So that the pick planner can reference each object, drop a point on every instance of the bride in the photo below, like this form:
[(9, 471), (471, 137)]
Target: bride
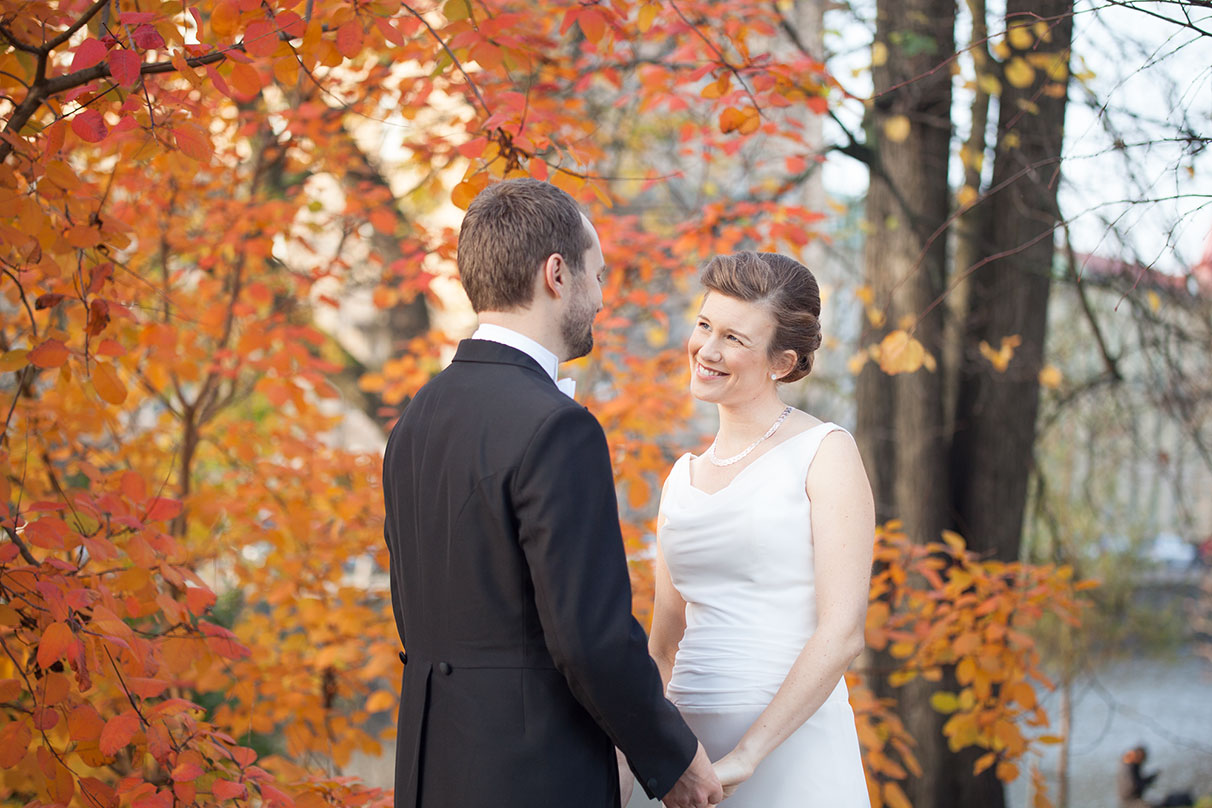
[(764, 552)]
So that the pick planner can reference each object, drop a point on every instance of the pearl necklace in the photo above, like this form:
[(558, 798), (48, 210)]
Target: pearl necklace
[(728, 461)]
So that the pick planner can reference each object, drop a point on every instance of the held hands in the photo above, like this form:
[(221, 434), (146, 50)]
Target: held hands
[(698, 786), (733, 769)]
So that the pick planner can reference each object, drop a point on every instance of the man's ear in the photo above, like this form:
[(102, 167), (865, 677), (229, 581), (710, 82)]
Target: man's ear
[(555, 277)]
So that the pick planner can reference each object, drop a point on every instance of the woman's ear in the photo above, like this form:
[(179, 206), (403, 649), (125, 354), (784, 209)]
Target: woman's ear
[(784, 363)]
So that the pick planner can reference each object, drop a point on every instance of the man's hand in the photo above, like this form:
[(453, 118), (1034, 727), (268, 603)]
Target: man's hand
[(698, 786)]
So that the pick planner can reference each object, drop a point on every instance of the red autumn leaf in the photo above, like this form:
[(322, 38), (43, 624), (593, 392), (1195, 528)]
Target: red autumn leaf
[(118, 732), (260, 38), (135, 17), (147, 38), (593, 24), (185, 772), (223, 642), (14, 742), (147, 688), (162, 509), (98, 793), (45, 718), (98, 317), (124, 66), (54, 644), (84, 723), (246, 79), (198, 600), (227, 790), (349, 39), (48, 300), (50, 354), (90, 125), (49, 532), (90, 52), (291, 24), (389, 31), (273, 796), (193, 142)]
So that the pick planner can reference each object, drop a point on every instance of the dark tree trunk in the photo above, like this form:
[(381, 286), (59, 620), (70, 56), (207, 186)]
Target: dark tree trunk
[(900, 418), (992, 450)]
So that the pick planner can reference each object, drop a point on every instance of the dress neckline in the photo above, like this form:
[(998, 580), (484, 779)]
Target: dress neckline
[(751, 463)]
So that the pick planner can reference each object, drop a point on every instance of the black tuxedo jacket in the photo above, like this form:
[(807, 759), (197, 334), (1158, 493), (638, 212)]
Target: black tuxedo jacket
[(524, 666)]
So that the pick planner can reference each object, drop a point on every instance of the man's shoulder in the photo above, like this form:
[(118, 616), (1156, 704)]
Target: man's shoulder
[(497, 393)]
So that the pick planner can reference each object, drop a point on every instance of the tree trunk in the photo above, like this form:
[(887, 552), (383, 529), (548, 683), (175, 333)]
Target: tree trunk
[(992, 450), (900, 418)]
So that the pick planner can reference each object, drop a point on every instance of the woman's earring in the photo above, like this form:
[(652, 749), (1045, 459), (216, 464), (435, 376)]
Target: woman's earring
[(774, 377)]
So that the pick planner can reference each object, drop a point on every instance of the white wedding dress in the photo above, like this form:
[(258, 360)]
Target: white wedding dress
[(742, 559)]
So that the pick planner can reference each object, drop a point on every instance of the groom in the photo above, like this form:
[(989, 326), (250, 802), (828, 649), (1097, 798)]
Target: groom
[(524, 667)]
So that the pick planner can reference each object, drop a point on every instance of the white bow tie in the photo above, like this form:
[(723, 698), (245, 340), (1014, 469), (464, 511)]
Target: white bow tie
[(567, 386)]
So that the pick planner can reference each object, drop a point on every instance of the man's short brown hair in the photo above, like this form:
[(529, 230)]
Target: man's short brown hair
[(510, 230)]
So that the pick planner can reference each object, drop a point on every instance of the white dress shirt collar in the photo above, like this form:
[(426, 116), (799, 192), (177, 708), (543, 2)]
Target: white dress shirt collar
[(507, 336)]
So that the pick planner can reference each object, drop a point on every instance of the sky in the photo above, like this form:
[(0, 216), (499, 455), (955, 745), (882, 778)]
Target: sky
[(1141, 77)]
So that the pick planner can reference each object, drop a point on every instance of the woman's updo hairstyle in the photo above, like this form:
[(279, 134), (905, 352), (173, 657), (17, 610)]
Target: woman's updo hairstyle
[(788, 291)]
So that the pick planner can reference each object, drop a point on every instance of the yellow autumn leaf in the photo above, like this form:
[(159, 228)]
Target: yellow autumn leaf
[(455, 10), (13, 360), (944, 702), (1020, 37), (989, 84), (1007, 772), (894, 796), (1000, 358), (897, 128), (879, 54), (899, 352), (107, 384), (1050, 377), (647, 15), (379, 701), (865, 294), (984, 762), (972, 158), (966, 196), (1019, 73), (856, 363), (1154, 300)]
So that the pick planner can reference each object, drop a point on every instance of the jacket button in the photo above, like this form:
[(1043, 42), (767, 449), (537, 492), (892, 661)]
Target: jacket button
[(404, 657), (445, 668), (652, 784)]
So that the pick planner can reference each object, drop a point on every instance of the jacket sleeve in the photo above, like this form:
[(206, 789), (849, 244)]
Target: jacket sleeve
[(568, 527)]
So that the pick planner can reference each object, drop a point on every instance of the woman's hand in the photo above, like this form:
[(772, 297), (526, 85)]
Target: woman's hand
[(733, 769)]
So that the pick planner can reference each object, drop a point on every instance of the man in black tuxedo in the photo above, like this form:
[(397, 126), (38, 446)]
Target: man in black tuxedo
[(524, 668)]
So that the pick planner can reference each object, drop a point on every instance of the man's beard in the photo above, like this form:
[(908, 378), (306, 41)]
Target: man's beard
[(576, 329)]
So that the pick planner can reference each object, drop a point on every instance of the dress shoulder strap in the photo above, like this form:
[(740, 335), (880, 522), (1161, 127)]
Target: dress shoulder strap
[(812, 440)]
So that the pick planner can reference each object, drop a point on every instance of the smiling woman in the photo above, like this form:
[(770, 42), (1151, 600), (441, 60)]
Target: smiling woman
[(764, 557)]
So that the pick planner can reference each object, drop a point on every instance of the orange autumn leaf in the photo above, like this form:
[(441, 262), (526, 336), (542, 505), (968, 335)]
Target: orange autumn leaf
[(57, 640), (50, 354), (107, 384), (118, 732)]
